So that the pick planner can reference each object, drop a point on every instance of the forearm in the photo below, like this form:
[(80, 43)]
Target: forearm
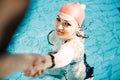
[(62, 58), (12, 63)]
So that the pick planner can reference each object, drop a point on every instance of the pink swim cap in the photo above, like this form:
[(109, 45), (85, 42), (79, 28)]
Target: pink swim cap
[(75, 10)]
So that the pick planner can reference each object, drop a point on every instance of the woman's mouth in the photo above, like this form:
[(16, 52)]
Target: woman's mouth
[(59, 32)]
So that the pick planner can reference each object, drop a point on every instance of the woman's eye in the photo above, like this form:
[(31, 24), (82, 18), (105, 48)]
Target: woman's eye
[(58, 19), (67, 24)]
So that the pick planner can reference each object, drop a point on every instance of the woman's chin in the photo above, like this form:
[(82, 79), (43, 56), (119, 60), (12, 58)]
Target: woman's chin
[(60, 35)]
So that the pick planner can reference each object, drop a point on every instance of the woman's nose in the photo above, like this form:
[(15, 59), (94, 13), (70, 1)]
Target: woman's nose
[(60, 26)]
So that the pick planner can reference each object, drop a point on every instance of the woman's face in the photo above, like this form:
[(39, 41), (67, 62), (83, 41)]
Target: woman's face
[(65, 26)]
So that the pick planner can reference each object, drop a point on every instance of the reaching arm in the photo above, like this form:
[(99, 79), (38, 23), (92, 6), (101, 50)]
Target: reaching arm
[(20, 62), (63, 57), (11, 63)]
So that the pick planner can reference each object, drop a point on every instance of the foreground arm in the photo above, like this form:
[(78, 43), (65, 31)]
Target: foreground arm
[(11, 63), (11, 14), (18, 62)]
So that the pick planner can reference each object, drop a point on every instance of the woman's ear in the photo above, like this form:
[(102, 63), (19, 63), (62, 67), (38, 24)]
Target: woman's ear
[(83, 6)]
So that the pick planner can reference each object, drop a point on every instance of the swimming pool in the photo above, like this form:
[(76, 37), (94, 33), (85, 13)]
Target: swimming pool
[(103, 27)]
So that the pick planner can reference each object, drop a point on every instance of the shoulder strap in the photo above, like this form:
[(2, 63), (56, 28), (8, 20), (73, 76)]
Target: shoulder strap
[(48, 37)]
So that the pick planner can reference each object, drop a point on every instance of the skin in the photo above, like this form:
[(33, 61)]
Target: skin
[(66, 26), (12, 63)]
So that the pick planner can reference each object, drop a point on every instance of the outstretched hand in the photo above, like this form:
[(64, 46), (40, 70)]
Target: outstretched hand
[(38, 67)]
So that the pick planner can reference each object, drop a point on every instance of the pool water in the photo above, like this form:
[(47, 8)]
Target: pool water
[(102, 24)]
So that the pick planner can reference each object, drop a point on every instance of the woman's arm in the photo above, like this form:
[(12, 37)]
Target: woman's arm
[(63, 57)]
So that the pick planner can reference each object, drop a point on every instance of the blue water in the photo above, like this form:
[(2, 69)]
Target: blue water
[(103, 27)]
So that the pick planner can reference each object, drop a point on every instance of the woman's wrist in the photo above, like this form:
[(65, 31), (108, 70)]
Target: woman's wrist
[(48, 61), (53, 61)]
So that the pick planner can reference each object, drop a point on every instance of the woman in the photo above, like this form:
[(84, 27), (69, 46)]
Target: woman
[(68, 42), (68, 45)]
